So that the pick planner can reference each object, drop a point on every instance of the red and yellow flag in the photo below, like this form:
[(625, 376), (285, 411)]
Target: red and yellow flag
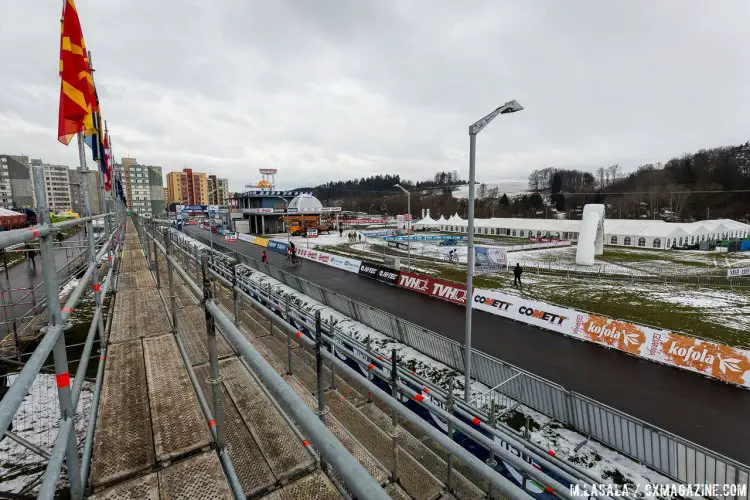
[(77, 100)]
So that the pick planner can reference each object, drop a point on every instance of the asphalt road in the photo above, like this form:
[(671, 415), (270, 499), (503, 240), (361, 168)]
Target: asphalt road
[(705, 411), (22, 281)]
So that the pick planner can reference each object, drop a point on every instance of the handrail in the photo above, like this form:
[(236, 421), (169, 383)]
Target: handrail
[(464, 455), (15, 236), (570, 397)]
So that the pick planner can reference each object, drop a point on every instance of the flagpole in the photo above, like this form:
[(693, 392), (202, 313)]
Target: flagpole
[(99, 152)]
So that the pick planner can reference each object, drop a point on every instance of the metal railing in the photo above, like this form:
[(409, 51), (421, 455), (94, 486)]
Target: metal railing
[(191, 274), (658, 449), (63, 451)]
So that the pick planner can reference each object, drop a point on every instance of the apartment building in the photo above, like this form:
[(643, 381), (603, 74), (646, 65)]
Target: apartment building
[(77, 179), (218, 191), (144, 187), (16, 188), (187, 187), (57, 187)]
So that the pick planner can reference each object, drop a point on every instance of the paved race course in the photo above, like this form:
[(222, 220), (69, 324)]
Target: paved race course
[(705, 411)]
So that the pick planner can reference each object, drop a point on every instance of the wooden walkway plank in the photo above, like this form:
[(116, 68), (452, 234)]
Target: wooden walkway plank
[(144, 487), (123, 443), (281, 447), (177, 421), (195, 478), (191, 327), (254, 473), (138, 314)]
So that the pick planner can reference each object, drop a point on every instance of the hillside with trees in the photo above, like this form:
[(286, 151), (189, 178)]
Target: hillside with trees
[(711, 183)]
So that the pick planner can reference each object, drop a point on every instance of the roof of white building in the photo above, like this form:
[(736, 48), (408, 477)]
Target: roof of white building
[(624, 227)]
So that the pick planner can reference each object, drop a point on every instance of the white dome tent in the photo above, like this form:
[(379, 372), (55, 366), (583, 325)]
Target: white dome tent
[(427, 223), (306, 203)]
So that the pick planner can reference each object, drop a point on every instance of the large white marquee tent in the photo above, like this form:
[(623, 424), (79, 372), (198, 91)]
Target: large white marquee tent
[(620, 232)]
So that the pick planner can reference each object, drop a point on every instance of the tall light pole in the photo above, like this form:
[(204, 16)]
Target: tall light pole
[(474, 129), (408, 227)]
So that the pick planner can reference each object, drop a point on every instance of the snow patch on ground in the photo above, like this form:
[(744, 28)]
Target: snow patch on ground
[(598, 460), (37, 421)]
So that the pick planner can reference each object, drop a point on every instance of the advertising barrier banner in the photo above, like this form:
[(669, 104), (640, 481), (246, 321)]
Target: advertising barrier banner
[(329, 259), (740, 271), (312, 233), (423, 237), (527, 311), (434, 287), (247, 237), (263, 242), (388, 275), (398, 244), (489, 260), (708, 358), (368, 269), (279, 246), (230, 237), (362, 221)]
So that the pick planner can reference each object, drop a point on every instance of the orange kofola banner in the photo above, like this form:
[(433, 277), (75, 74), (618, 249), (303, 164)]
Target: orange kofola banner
[(708, 358), (712, 359)]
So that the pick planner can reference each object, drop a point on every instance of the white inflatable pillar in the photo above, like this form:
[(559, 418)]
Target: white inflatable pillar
[(591, 237)]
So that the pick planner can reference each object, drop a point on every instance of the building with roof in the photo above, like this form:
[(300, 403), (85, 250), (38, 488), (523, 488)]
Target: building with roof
[(263, 209), (619, 232)]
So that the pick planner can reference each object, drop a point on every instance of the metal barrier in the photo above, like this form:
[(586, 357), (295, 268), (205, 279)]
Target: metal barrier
[(513, 491), (64, 447), (664, 452)]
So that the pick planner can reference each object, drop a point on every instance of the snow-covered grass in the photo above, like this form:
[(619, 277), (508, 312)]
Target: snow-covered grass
[(37, 421), (320, 240), (598, 460), (510, 187)]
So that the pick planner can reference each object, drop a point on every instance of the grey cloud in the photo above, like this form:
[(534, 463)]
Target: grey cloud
[(334, 89)]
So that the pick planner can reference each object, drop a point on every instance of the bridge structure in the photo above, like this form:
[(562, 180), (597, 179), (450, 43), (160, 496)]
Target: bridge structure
[(209, 385)]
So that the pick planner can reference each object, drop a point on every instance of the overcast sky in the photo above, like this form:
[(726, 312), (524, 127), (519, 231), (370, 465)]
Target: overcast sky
[(335, 89)]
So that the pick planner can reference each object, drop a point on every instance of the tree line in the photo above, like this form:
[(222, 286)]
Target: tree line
[(706, 184)]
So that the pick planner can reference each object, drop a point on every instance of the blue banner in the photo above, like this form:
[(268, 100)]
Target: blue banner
[(425, 237), (279, 246)]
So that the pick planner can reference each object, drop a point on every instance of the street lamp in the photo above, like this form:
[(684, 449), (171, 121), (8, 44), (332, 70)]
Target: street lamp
[(474, 129), (408, 222)]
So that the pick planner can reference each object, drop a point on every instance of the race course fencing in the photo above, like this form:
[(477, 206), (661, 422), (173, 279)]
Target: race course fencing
[(660, 450)]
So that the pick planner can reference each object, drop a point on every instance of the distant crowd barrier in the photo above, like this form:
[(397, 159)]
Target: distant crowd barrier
[(711, 359)]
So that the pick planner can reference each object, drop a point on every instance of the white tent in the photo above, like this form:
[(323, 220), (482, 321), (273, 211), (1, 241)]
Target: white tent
[(426, 223)]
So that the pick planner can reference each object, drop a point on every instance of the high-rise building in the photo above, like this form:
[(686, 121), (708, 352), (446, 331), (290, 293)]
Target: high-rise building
[(218, 190), (76, 190), (177, 188), (144, 187), (187, 187), (16, 188), (57, 186)]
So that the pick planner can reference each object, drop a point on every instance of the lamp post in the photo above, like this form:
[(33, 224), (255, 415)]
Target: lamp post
[(474, 129), (408, 226)]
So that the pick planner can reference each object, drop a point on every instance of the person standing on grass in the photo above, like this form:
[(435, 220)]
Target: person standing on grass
[(517, 271)]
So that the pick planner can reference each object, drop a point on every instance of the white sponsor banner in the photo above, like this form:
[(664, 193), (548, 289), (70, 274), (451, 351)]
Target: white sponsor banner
[(489, 260), (711, 359), (246, 237), (351, 265), (559, 319), (740, 271), (231, 237)]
